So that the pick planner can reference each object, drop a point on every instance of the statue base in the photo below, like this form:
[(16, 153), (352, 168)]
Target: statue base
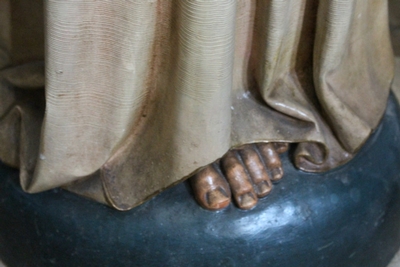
[(349, 216)]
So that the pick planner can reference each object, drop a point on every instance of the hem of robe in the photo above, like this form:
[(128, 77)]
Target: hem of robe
[(99, 186), (105, 177)]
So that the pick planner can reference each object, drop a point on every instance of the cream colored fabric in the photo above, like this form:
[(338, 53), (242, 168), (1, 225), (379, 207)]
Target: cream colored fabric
[(141, 93)]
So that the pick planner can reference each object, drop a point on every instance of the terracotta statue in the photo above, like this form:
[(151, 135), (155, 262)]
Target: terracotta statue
[(142, 94)]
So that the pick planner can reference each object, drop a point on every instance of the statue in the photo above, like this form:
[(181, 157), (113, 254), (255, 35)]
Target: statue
[(143, 94), (117, 101)]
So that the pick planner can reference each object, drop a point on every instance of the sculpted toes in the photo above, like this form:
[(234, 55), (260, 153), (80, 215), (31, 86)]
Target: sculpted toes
[(259, 175), (247, 173), (210, 189), (272, 160), (242, 188)]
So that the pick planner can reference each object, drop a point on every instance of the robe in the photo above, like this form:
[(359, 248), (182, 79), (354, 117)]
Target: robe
[(139, 94)]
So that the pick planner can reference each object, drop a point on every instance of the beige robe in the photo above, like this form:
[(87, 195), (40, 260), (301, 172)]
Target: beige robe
[(141, 93)]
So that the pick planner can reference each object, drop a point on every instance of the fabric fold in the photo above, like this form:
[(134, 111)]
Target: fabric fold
[(353, 66)]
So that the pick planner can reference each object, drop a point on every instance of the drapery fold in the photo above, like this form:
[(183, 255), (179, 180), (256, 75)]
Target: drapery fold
[(140, 94)]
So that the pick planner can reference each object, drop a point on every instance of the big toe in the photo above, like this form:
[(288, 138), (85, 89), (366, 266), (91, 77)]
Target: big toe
[(210, 188)]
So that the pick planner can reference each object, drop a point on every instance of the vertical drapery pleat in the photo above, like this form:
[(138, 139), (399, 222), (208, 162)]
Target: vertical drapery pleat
[(190, 120), (353, 66), (97, 65), (5, 32)]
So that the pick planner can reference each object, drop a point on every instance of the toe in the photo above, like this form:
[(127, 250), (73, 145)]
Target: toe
[(241, 186), (272, 160), (281, 147), (256, 169), (211, 189)]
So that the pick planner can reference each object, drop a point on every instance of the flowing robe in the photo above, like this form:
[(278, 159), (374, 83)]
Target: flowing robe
[(141, 93)]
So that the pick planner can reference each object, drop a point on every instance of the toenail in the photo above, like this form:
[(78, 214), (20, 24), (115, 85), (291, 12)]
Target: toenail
[(247, 201), (263, 188), (277, 173), (217, 199)]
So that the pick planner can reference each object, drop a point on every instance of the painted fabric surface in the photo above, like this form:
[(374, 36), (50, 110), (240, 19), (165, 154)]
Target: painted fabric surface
[(140, 94)]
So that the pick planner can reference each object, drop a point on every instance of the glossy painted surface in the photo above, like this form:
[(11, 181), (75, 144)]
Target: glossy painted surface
[(349, 216)]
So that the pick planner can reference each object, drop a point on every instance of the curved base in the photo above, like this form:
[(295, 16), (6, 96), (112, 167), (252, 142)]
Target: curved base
[(346, 217)]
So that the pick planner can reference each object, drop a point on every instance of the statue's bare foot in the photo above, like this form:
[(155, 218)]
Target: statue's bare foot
[(246, 173)]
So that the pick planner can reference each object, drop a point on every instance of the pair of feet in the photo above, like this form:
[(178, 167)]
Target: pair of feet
[(244, 174)]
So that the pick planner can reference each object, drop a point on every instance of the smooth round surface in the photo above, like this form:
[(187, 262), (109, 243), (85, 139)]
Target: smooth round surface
[(349, 216)]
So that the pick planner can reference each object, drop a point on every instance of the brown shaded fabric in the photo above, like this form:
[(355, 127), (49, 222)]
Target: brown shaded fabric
[(140, 94)]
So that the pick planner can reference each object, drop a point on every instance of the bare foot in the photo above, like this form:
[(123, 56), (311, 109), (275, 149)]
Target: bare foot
[(245, 173)]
